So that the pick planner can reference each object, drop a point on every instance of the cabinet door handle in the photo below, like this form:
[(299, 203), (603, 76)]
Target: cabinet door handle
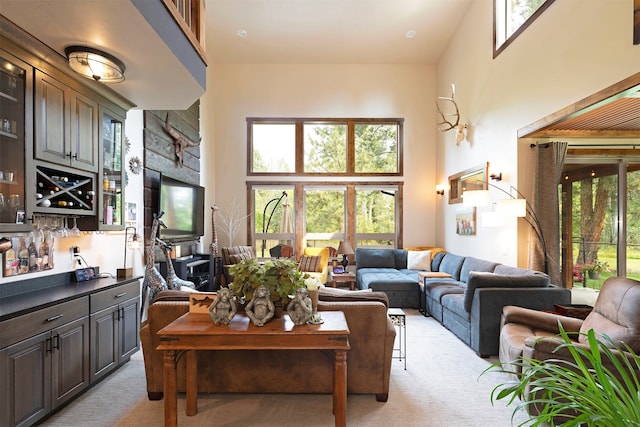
[(56, 341), (51, 319), (69, 154), (120, 295), (75, 156)]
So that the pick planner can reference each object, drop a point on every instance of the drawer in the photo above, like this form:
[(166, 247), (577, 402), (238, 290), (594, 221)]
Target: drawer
[(25, 326), (113, 296)]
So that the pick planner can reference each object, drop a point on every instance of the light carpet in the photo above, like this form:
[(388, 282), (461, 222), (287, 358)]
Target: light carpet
[(441, 386)]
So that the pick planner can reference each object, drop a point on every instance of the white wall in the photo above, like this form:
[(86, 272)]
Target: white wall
[(575, 48), (377, 91)]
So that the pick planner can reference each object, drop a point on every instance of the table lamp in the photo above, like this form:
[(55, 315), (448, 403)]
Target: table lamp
[(134, 243), (345, 249)]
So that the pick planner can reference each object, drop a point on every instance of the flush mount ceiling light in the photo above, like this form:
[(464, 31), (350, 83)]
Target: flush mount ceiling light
[(95, 64)]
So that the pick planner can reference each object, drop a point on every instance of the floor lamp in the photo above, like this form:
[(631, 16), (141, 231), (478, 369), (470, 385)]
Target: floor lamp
[(512, 207), (277, 201)]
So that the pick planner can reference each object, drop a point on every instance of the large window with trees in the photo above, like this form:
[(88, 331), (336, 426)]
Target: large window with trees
[(331, 188), (600, 208), (328, 147)]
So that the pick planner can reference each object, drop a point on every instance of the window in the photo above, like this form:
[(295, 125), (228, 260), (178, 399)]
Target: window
[(600, 210), (511, 17), (366, 213), (327, 147)]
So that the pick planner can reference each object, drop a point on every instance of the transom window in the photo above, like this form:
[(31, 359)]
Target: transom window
[(511, 17), (325, 147)]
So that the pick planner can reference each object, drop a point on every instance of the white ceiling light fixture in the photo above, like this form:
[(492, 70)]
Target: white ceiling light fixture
[(241, 33), (410, 34), (95, 64)]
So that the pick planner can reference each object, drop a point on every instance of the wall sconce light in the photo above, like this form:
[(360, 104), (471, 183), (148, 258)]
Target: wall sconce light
[(496, 177), (440, 190), (95, 64), (134, 243)]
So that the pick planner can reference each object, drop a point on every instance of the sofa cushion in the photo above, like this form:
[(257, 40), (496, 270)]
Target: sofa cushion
[(419, 260), (451, 264), (514, 271), (474, 264), (437, 259), (372, 258), (479, 279), (343, 295)]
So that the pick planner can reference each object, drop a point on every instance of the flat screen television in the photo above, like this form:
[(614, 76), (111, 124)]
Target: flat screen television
[(183, 207)]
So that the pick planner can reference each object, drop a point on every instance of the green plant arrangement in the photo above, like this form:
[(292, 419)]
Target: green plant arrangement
[(596, 267), (584, 391), (281, 277)]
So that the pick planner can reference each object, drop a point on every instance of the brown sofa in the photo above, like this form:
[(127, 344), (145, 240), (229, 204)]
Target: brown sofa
[(368, 361)]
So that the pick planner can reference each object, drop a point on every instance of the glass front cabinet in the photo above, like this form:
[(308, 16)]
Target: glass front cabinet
[(111, 212), (16, 143)]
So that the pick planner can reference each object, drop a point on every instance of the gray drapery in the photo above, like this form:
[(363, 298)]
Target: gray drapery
[(550, 160)]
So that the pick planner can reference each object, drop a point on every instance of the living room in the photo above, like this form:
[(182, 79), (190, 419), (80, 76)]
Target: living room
[(557, 61)]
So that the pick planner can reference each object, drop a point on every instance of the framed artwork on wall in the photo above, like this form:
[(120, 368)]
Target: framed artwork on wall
[(466, 221)]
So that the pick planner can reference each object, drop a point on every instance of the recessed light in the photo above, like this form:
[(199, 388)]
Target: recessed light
[(242, 33), (410, 34)]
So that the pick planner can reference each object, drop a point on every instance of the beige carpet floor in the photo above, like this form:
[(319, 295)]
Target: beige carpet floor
[(441, 386)]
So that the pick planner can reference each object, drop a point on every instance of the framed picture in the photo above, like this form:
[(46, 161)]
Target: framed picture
[(132, 212), (20, 217), (466, 221)]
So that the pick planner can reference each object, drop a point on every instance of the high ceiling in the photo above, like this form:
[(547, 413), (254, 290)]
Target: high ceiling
[(331, 31)]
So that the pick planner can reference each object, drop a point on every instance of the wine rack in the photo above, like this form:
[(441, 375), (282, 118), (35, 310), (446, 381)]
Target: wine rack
[(64, 191)]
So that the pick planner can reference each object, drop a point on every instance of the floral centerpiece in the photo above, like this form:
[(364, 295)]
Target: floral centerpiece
[(281, 277)]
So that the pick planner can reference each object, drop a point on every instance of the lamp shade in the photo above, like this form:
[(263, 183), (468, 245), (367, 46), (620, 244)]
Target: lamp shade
[(345, 248), (512, 207), (472, 198), (95, 64)]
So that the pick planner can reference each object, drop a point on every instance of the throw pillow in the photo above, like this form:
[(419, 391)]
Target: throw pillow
[(310, 263), (419, 260), (234, 259)]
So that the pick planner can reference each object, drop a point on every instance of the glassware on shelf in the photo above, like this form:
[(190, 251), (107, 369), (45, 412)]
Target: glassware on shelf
[(75, 231)]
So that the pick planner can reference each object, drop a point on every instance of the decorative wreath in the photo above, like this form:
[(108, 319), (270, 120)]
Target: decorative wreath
[(135, 165)]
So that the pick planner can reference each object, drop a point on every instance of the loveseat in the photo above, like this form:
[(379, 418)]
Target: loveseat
[(468, 301), (369, 359)]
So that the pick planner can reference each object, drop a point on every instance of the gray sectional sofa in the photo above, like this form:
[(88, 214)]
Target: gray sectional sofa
[(469, 302)]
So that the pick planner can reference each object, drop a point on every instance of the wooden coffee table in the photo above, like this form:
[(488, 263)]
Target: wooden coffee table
[(194, 331)]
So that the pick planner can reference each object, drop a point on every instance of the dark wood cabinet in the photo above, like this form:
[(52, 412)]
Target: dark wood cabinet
[(45, 370), (66, 130), (50, 355), (115, 328)]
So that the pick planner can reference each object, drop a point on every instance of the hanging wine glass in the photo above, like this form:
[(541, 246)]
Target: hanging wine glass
[(75, 231)]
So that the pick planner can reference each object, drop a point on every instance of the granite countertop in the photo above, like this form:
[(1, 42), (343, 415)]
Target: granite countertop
[(31, 300)]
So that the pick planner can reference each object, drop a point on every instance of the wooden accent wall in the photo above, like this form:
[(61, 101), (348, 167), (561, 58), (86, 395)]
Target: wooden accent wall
[(160, 155)]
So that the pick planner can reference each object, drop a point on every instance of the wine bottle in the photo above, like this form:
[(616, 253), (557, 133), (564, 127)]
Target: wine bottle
[(44, 254), (33, 255), (23, 257)]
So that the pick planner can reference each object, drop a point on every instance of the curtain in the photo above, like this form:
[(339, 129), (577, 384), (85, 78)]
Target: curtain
[(545, 254)]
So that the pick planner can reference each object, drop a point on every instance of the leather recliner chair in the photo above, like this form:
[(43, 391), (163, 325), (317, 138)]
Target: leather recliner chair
[(532, 334)]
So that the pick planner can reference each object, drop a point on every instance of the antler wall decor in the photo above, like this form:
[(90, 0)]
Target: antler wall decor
[(451, 121), (180, 141)]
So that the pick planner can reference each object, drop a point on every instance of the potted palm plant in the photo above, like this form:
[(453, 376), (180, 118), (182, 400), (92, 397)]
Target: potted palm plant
[(584, 391)]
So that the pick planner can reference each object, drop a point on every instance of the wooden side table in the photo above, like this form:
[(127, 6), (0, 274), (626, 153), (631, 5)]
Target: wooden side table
[(343, 279)]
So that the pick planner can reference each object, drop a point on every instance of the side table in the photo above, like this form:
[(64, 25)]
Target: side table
[(399, 319), (343, 279)]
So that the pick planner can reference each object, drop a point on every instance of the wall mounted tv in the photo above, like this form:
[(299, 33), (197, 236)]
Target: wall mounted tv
[(183, 207)]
